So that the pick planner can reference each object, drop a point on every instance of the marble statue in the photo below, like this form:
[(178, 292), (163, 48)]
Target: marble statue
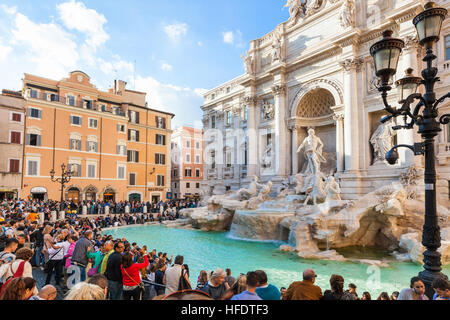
[(317, 190), (382, 141), (245, 194), (312, 6), (277, 46), (297, 9), (313, 149), (267, 158), (347, 14), (333, 189), (284, 186), (248, 63)]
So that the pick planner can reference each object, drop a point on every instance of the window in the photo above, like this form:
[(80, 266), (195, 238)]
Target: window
[(121, 128), (197, 145), (213, 159), (133, 156), (76, 169), (228, 159), (188, 158), (34, 113), (188, 185), (92, 146), (92, 170), (197, 185), (34, 93), (75, 120), (16, 117), (160, 181), (188, 144), (175, 173), (448, 133), (133, 135), (32, 167), (75, 144), (33, 140), (197, 173), (15, 137), (87, 104), (245, 115), (228, 90), (197, 158), (161, 139), (102, 107), (213, 122), (160, 158), (161, 122), (70, 100), (133, 116), (228, 118), (14, 166), (122, 150), (447, 47), (132, 181), (121, 172), (93, 123), (188, 173)]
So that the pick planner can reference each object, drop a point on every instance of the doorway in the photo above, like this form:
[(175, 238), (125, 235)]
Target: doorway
[(73, 194), (134, 197), (156, 199)]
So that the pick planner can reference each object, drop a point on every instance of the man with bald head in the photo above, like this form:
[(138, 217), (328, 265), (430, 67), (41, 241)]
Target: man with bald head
[(304, 290), (46, 293)]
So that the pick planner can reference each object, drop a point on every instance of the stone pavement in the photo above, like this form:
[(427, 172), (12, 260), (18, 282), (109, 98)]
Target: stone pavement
[(40, 277)]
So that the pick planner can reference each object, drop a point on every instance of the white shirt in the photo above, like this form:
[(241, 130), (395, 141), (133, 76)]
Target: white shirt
[(56, 254)]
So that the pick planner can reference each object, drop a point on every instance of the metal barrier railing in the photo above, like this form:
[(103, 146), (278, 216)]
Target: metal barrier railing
[(153, 283)]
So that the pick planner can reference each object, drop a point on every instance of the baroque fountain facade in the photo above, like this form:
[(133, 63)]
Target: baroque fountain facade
[(294, 150)]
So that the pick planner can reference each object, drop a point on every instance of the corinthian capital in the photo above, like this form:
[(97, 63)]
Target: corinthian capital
[(251, 100), (411, 42), (352, 64), (278, 90), (338, 117)]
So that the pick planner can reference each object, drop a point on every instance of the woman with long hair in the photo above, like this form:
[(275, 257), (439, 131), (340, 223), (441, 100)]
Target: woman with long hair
[(337, 288), (19, 289), (239, 286), (202, 280), (131, 278)]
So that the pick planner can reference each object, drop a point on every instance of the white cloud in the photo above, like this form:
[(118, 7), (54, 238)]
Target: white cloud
[(48, 47), (76, 16), (184, 102), (200, 92), (200, 44), (176, 31), (166, 67), (116, 65), (9, 10), (228, 37)]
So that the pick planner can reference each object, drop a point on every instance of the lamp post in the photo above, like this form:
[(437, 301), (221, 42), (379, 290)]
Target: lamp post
[(425, 115), (65, 178)]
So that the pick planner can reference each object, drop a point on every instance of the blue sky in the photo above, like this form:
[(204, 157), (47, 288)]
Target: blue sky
[(174, 50)]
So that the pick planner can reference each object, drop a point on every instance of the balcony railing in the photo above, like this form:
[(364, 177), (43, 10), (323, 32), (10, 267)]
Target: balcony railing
[(84, 104)]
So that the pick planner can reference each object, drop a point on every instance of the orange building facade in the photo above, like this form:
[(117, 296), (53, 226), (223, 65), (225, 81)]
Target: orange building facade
[(71, 122)]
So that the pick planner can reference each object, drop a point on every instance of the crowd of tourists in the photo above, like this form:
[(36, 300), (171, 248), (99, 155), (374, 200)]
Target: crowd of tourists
[(81, 263)]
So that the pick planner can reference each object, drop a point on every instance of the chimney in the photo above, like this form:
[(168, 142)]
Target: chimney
[(119, 87)]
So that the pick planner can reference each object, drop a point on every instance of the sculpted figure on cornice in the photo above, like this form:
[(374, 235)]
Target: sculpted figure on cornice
[(249, 63), (347, 14), (297, 9), (313, 6), (278, 45)]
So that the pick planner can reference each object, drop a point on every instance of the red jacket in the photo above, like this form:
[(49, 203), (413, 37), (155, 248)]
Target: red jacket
[(133, 272)]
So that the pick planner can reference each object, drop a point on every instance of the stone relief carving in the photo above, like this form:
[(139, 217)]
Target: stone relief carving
[(347, 14), (267, 156), (268, 110), (313, 6), (372, 80), (382, 141)]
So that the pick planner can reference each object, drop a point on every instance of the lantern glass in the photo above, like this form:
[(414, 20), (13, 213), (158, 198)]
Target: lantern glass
[(429, 23), (405, 90), (387, 59)]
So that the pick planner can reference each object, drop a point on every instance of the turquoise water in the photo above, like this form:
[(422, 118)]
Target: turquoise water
[(209, 250)]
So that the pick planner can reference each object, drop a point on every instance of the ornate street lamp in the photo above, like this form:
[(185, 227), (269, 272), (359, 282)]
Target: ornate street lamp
[(65, 178), (424, 115)]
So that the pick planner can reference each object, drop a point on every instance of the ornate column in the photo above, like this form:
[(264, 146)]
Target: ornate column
[(279, 92), (351, 113), (237, 142), (252, 136), (340, 152), (220, 164), (294, 132)]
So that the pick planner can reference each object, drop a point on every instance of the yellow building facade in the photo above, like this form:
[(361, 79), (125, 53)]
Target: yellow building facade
[(71, 122)]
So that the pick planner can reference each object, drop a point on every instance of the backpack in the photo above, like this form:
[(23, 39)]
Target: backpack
[(17, 274)]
